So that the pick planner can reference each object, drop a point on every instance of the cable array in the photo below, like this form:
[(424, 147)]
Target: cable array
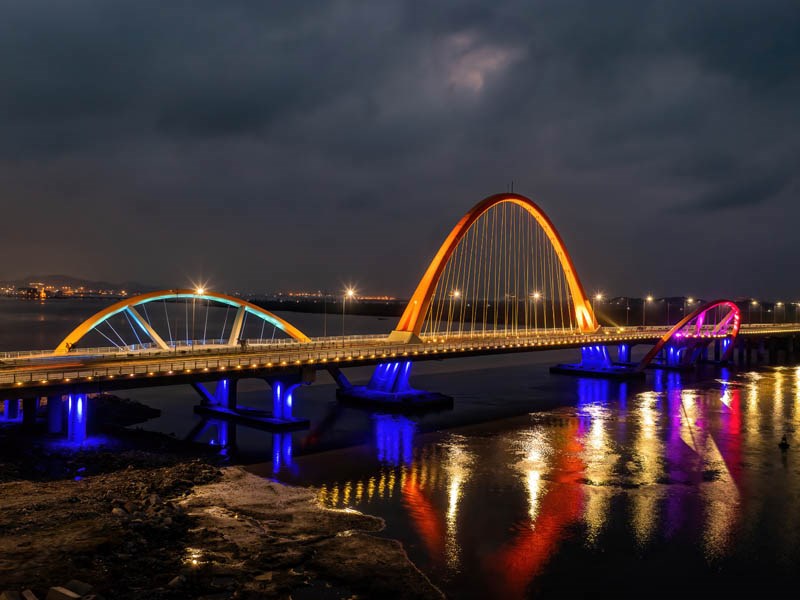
[(504, 276)]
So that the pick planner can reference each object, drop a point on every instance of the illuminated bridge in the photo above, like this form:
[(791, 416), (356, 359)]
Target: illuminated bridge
[(501, 282)]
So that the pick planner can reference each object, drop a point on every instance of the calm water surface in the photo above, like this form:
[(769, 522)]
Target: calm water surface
[(537, 485)]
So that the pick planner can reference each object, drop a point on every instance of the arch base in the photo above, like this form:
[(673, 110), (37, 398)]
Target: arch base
[(404, 337)]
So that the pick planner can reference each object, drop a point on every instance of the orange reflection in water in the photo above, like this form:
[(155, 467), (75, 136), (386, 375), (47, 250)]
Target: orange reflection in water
[(515, 565), (427, 521)]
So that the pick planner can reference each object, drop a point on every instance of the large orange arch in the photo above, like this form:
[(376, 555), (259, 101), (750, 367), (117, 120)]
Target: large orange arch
[(410, 324), (98, 318), (734, 315)]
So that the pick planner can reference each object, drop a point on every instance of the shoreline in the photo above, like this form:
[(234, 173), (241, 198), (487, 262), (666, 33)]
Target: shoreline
[(157, 524)]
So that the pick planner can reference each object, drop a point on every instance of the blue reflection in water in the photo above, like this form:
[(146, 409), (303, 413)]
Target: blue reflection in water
[(394, 438)]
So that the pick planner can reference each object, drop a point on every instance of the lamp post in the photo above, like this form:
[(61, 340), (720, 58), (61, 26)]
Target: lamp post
[(687, 301), (775, 311), (750, 310), (454, 295), (535, 296), (648, 299), (325, 314), (348, 293), (199, 291), (599, 297)]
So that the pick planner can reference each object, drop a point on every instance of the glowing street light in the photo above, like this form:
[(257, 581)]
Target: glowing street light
[(750, 310), (598, 296), (647, 300), (348, 293), (455, 294), (536, 296)]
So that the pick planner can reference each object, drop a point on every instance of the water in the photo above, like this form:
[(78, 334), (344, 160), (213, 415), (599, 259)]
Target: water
[(537, 485)]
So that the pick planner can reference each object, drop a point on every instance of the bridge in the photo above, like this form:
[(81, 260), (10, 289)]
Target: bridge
[(501, 282)]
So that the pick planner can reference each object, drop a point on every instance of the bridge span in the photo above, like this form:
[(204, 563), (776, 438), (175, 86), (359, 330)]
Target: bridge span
[(502, 282)]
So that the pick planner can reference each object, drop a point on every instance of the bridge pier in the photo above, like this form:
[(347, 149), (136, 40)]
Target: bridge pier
[(624, 353), (389, 388), (223, 402), (77, 418), (596, 362), (11, 410)]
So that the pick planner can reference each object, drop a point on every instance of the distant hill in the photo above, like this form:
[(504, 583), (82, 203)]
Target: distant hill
[(67, 280)]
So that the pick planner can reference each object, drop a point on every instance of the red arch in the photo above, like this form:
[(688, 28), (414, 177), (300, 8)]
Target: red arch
[(410, 324), (699, 314)]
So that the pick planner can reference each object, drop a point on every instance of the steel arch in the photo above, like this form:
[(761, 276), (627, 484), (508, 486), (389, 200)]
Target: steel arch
[(100, 317), (410, 324), (732, 319)]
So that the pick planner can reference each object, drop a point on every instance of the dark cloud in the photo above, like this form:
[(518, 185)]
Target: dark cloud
[(308, 144)]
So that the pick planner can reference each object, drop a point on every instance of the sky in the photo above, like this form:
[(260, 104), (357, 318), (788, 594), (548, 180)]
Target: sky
[(275, 145)]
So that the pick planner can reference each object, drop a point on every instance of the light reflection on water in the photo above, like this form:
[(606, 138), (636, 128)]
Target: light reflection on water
[(688, 472)]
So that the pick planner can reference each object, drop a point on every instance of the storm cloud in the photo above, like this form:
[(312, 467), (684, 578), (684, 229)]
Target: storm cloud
[(269, 145)]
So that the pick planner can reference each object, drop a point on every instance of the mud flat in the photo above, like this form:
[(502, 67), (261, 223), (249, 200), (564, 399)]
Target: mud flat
[(168, 526)]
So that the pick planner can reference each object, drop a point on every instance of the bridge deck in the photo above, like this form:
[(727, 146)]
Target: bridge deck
[(34, 374)]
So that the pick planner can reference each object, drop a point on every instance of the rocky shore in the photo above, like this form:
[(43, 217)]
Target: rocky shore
[(152, 523)]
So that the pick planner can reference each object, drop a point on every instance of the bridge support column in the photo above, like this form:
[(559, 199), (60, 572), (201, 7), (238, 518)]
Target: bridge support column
[(55, 414), (624, 353), (389, 387), (596, 362), (224, 393), (77, 418), (223, 403), (11, 409), (282, 398)]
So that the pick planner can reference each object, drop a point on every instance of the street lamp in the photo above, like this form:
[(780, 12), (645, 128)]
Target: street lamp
[(647, 300), (750, 310), (775, 311), (598, 296), (536, 296), (687, 301), (348, 293)]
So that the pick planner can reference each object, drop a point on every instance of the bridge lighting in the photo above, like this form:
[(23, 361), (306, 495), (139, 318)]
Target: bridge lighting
[(200, 291), (456, 293), (647, 299)]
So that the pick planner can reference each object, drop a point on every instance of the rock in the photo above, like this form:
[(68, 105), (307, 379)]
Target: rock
[(131, 507), (177, 581), (79, 587), (29, 595), (61, 593), (154, 499), (119, 512), (10, 595)]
